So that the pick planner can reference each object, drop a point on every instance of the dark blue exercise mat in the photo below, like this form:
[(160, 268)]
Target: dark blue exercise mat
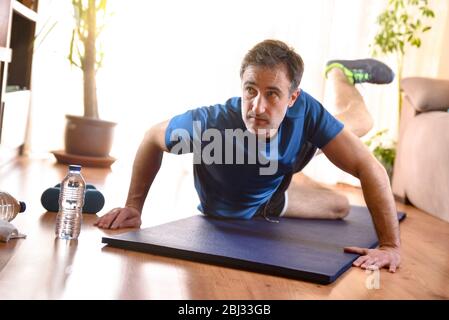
[(304, 249)]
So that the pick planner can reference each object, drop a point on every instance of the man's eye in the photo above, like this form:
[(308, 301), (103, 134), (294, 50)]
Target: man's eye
[(250, 90), (272, 94)]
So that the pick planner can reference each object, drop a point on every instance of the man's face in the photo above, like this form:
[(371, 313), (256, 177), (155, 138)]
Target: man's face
[(265, 98)]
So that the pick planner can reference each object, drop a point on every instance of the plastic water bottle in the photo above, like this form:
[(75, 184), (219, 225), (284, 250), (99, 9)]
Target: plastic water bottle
[(9, 206), (71, 201)]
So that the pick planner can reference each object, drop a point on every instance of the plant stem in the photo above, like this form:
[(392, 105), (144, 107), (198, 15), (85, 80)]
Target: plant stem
[(90, 85)]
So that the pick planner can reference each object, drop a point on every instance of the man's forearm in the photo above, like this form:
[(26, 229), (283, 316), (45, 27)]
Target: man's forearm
[(146, 165), (380, 201)]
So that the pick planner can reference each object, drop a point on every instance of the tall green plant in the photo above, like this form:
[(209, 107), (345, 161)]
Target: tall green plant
[(85, 48), (401, 24)]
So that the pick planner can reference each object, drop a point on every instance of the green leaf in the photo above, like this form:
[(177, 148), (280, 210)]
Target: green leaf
[(404, 18), (400, 24)]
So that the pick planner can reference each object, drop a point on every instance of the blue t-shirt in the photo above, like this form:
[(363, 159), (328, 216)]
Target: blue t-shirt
[(234, 184)]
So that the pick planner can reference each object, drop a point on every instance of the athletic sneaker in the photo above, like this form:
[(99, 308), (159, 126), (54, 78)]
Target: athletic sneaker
[(363, 70)]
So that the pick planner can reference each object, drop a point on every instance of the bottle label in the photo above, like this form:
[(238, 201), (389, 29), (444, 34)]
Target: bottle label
[(72, 198)]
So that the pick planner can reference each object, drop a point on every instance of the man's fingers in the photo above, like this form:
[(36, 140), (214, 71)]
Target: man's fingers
[(374, 259), (106, 220), (127, 214), (380, 264), (131, 223), (369, 262), (360, 261), (118, 220), (393, 267), (361, 251)]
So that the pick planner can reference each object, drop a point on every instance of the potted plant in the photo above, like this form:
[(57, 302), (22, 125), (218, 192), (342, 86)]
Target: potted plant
[(401, 25), (88, 135)]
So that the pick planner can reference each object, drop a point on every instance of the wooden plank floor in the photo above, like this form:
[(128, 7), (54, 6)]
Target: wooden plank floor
[(40, 267)]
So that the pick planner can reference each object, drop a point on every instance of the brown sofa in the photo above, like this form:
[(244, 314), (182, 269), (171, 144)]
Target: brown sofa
[(421, 169)]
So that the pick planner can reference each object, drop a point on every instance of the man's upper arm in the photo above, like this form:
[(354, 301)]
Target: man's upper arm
[(158, 135), (347, 152)]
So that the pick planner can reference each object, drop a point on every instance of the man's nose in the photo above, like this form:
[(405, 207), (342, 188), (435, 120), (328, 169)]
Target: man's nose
[(258, 105)]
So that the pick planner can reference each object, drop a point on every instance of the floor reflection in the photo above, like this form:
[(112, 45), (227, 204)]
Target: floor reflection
[(62, 261)]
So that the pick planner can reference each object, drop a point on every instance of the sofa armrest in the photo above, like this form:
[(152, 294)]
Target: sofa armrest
[(427, 94)]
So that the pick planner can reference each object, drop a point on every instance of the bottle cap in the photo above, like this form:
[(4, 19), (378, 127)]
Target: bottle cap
[(23, 206), (74, 167)]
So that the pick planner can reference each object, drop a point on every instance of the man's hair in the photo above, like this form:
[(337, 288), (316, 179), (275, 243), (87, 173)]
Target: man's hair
[(270, 53)]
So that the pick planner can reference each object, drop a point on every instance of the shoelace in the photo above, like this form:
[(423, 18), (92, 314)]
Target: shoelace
[(266, 217)]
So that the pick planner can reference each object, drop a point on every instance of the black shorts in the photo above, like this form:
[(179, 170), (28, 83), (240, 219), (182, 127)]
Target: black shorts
[(277, 204), (276, 207)]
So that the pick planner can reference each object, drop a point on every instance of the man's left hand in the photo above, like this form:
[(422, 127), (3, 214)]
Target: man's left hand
[(381, 257)]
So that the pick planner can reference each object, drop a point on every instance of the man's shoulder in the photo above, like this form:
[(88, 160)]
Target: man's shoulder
[(221, 115), (308, 98), (229, 109), (301, 106), (233, 104)]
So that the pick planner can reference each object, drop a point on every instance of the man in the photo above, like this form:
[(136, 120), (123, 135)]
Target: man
[(280, 126)]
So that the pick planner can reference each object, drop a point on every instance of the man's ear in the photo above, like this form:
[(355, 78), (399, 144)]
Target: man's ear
[(293, 97)]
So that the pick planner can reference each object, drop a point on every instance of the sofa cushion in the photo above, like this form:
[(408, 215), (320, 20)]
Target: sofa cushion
[(424, 162), (427, 94)]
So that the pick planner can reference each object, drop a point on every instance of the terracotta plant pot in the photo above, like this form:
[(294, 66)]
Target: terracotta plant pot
[(88, 136)]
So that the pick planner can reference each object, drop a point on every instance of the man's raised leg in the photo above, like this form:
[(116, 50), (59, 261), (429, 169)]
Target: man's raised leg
[(350, 106), (306, 197)]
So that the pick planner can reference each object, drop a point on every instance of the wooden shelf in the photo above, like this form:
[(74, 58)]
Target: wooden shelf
[(5, 54), (24, 11), (18, 19)]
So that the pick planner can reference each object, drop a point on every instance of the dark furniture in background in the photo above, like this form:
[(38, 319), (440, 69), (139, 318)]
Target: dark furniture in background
[(17, 30)]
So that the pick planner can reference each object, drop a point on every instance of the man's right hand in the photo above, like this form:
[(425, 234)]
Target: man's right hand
[(117, 218)]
